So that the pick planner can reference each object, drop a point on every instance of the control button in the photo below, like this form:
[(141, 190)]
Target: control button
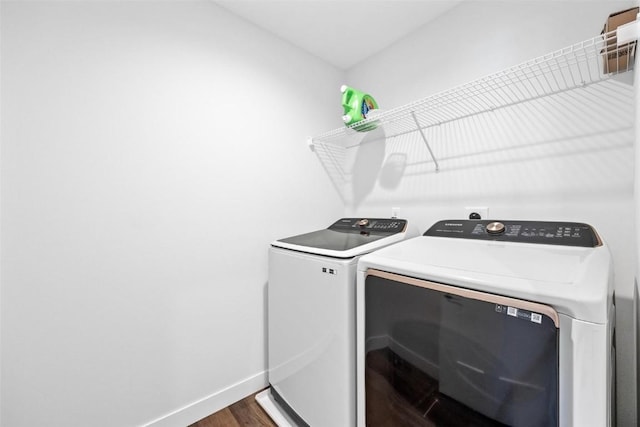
[(495, 228), (363, 222)]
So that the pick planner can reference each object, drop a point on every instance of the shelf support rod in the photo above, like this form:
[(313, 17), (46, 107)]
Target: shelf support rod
[(424, 138)]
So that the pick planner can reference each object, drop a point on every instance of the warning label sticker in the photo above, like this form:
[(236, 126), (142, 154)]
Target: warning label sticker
[(519, 313), (537, 318)]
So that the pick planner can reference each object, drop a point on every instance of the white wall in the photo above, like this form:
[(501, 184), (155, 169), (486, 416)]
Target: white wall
[(636, 237), (150, 152), (566, 158)]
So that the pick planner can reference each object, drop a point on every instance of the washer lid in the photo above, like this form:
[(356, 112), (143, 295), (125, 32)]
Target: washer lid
[(348, 237)]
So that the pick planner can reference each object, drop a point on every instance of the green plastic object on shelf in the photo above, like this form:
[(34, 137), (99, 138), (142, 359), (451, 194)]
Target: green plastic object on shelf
[(356, 106)]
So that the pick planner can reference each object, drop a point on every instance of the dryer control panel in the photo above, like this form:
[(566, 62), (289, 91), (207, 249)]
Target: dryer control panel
[(541, 232)]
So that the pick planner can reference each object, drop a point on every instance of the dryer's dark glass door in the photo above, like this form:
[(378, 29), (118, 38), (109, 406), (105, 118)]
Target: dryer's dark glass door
[(441, 358)]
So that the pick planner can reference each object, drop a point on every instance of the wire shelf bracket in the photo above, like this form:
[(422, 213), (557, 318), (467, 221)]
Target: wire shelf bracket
[(424, 138)]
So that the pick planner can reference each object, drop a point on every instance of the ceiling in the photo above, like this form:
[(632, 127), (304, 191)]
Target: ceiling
[(343, 33)]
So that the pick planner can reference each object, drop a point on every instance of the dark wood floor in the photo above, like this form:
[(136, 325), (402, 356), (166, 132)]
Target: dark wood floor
[(246, 412)]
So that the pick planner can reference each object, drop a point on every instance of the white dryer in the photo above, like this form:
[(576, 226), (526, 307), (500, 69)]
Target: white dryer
[(311, 321), (488, 323)]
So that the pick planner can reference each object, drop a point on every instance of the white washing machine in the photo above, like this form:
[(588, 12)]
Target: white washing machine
[(311, 321), (488, 323)]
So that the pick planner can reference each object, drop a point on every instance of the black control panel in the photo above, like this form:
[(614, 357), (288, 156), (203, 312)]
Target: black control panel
[(370, 225), (541, 232)]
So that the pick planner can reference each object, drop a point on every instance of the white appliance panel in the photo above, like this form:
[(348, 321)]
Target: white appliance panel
[(311, 346), (521, 270), (311, 320)]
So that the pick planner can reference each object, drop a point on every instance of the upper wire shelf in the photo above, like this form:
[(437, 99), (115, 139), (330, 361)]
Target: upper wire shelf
[(579, 65)]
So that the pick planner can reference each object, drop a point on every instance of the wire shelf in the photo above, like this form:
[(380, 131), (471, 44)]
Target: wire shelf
[(582, 64)]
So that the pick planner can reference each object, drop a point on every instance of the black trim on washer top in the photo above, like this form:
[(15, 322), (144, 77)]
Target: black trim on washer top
[(349, 233), (382, 226)]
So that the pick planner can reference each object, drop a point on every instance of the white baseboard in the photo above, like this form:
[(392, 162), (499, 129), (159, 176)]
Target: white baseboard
[(266, 401), (213, 403)]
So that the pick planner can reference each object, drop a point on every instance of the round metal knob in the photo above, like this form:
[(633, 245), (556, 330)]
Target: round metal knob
[(495, 228), (363, 222)]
